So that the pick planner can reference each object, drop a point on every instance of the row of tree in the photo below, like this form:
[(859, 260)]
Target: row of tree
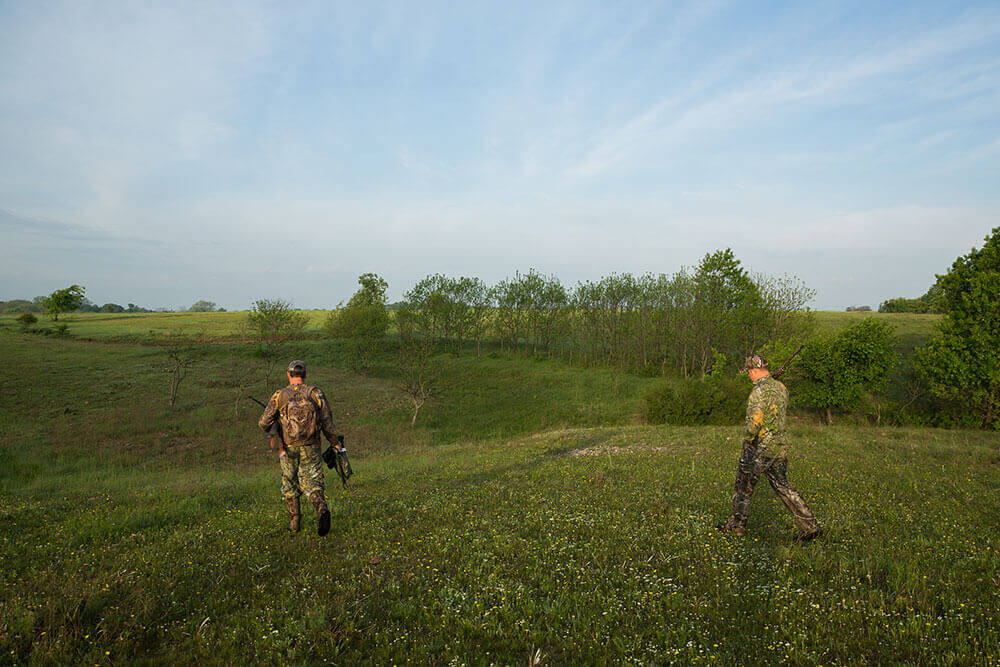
[(687, 323), (649, 323)]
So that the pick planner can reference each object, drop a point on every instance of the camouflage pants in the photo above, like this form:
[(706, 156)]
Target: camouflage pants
[(301, 470), (752, 465)]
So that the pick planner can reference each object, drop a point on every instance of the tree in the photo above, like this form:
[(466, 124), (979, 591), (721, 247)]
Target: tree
[(203, 307), (271, 323), (64, 300), (839, 372), (961, 363), (181, 355), (364, 321), (726, 302), (421, 372)]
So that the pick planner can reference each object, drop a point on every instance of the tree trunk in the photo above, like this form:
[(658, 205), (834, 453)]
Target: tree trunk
[(829, 416)]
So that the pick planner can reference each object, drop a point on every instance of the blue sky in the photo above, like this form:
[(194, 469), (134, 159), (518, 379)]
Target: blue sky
[(161, 153)]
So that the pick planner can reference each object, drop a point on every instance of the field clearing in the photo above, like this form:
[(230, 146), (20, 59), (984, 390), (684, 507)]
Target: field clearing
[(150, 325), (132, 533), (906, 324), (227, 324)]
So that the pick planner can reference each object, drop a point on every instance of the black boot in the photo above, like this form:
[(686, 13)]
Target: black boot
[(322, 512)]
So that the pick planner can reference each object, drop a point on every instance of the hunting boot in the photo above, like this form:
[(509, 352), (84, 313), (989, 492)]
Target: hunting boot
[(322, 512), (733, 526), (294, 514)]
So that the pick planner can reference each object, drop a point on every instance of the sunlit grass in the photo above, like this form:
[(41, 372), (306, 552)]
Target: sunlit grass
[(132, 533)]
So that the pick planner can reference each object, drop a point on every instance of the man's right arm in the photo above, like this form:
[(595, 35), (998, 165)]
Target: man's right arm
[(755, 415), (270, 415)]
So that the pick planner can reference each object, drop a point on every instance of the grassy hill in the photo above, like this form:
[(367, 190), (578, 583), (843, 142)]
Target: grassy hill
[(528, 510)]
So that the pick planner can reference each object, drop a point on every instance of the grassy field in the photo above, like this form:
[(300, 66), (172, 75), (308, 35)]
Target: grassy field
[(109, 325), (151, 325), (528, 510)]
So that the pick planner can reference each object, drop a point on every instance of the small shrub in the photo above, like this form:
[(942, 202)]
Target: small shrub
[(26, 319), (711, 400)]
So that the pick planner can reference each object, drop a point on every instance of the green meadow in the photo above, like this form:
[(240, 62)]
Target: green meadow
[(529, 514)]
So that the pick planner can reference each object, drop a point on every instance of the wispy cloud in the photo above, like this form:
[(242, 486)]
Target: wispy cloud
[(574, 137)]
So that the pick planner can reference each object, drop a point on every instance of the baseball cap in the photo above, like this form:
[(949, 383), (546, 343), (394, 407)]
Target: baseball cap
[(297, 365), (754, 361)]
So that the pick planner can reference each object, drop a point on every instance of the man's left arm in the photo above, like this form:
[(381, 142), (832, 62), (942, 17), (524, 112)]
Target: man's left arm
[(325, 416)]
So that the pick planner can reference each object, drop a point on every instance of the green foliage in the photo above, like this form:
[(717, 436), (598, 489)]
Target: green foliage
[(21, 306), (931, 302), (838, 372), (447, 309), (203, 307), (271, 323), (962, 364), (364, 322), (718, 398), (272, 320), (64, 300), (26, 319)]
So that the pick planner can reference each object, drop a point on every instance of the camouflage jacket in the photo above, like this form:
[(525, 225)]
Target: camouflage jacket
[(302, 411), (765, 419)]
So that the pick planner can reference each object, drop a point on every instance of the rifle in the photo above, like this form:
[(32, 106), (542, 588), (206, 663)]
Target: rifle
[(276, 440), (781, 369), (336, 459)]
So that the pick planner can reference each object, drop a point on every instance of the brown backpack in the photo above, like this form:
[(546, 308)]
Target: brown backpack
[(299, 416)]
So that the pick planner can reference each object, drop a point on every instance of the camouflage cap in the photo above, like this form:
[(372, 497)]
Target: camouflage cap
[(754, 361), (297, 365)]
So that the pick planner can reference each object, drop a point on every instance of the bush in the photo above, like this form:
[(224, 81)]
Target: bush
[(26, 319), (960, 364), (839, 372), (711, 400), (364, 321)]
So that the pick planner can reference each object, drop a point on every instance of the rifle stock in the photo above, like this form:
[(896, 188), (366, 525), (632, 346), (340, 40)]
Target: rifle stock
[(781, 369)]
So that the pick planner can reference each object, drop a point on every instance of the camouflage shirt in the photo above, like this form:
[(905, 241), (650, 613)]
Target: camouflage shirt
[(302, 411), (765, 420)]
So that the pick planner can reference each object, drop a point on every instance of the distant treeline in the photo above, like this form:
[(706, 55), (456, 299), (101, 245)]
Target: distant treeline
[(37, 305), (931, 302), (649, 324)]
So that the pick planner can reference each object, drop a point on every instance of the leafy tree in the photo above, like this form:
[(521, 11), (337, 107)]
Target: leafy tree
[(112, 308), (64, 300), (271, 323), (838, 372), (364, 321), (726, 300), (961, 363), (203, 307)]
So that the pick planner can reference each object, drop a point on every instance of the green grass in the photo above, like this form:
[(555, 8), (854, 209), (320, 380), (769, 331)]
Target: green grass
[(906, 324), (151, 325), (132, 533), (102, 325)]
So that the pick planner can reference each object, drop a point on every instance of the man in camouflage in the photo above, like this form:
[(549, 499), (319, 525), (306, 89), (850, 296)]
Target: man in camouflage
[(765, 452), (302, 412)]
